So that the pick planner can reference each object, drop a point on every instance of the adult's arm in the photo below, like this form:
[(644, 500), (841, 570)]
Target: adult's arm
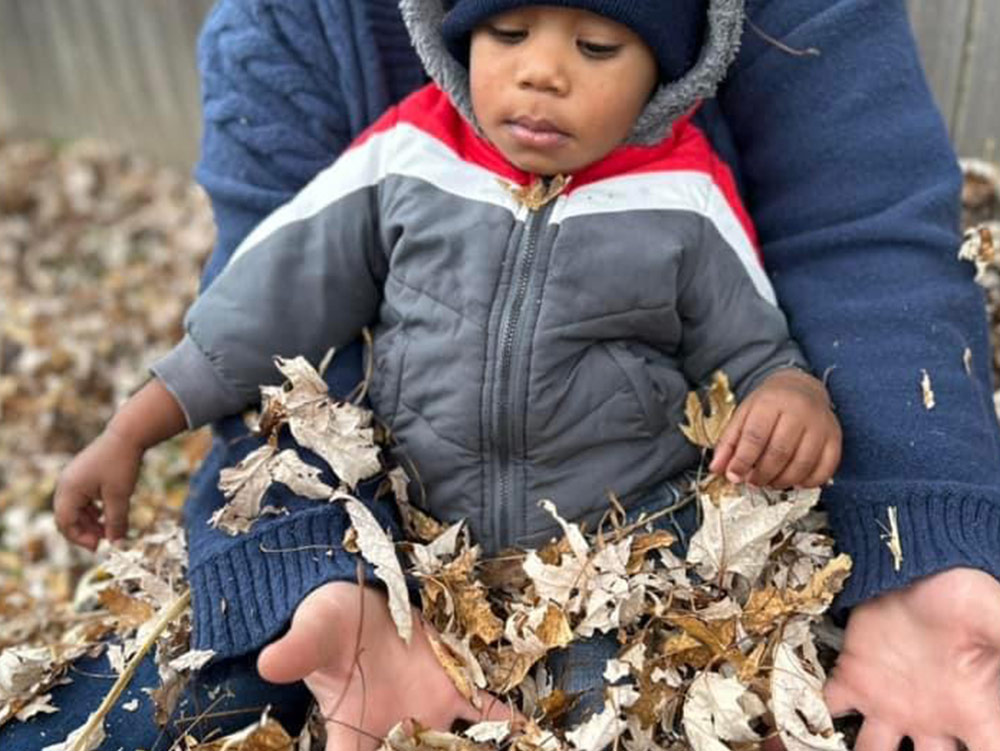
[(854, 189), (286, 86)]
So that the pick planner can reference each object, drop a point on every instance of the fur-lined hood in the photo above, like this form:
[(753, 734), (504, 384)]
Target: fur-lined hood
[(725, 25)]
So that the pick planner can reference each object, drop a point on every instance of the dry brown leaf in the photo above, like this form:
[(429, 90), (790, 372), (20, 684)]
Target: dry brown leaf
[(130, 611), (713, 712), (267, 734), (803, 719), (341, 434), (377, 549), (980, 248), (736, 536), (926, 390), (704, 429), (455, 667)]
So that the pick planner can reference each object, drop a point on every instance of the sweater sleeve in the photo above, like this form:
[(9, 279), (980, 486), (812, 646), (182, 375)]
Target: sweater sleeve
[(855, 193), (286, 85)]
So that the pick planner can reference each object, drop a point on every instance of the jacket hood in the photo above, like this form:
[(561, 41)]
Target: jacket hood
[(722, 39)]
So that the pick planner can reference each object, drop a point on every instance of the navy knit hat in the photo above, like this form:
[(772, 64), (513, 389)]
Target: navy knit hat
[(655, 21)]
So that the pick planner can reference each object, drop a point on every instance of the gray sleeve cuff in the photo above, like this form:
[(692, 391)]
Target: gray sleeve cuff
[(199, 389)]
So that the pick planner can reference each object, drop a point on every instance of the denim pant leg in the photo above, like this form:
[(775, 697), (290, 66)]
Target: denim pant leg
[(579, 669), (227, 696)]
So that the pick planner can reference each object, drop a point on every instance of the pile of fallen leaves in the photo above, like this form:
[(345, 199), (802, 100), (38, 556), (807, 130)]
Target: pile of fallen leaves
[(716, 646), (99, 257)]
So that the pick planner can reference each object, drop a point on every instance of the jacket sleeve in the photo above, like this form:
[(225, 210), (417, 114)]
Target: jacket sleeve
[(729, 318), (286, 86), (855, 194), (307, 279)]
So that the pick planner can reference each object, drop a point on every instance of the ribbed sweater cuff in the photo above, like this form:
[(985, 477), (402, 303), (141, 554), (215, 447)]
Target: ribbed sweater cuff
[(941, 526), (244, 596)]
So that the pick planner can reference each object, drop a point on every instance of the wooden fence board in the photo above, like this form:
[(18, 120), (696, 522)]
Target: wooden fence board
[(125, 70), (977, 123), (940, 28)]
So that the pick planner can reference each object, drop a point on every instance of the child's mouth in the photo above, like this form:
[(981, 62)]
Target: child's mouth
[(539, 134)]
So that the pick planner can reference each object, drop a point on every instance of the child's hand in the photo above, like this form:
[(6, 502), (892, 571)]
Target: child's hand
[(107, 470), (783, 435), (363, 675)]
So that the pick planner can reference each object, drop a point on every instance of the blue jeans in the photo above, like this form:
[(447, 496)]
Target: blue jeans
[(579, 669), (229, 695)]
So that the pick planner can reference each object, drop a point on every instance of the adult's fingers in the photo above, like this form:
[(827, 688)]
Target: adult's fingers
[(780, 450), (840, 700), (491, 708), (935, 743), (876, 735), (984, 736), (308, 645)]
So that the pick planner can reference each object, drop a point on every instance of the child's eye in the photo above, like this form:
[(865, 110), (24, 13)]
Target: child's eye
[(592, 49), (507, 36)]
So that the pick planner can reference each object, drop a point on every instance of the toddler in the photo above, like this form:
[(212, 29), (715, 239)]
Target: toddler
[(551, 257)]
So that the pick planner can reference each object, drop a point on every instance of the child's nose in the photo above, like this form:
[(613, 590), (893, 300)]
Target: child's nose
[(543, 71)]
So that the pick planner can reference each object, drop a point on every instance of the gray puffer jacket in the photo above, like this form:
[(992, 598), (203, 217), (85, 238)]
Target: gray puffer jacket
[(520, 353)]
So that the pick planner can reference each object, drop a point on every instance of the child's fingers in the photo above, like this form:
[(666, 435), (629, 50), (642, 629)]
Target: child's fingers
[(828, 463), (753, 440), (804, 463), (75, 517), (115, 515), (725, 447), (780, 450)]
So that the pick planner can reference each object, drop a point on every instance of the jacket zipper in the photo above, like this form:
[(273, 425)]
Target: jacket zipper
[(527, 251)]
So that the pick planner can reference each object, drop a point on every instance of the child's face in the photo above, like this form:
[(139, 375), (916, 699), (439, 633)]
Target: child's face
[(556, 89)]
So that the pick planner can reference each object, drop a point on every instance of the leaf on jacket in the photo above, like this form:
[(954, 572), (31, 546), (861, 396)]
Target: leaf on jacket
[(342, 435), (376, 548), (926, 391), (245, 485), (704, 429)]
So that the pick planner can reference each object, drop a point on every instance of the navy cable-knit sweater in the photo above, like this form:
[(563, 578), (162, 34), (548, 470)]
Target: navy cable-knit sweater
[(847, 170)]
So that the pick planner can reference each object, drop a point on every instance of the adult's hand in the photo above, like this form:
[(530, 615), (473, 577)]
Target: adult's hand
[(395, 681), (924, 662)]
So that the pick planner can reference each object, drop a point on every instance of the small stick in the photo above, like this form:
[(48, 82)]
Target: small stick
[(168, 614)]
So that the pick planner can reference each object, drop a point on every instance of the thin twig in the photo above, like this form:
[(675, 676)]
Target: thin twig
[(359, 392), (356, 662), (807, 52), (167, 616), (329, 548)]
